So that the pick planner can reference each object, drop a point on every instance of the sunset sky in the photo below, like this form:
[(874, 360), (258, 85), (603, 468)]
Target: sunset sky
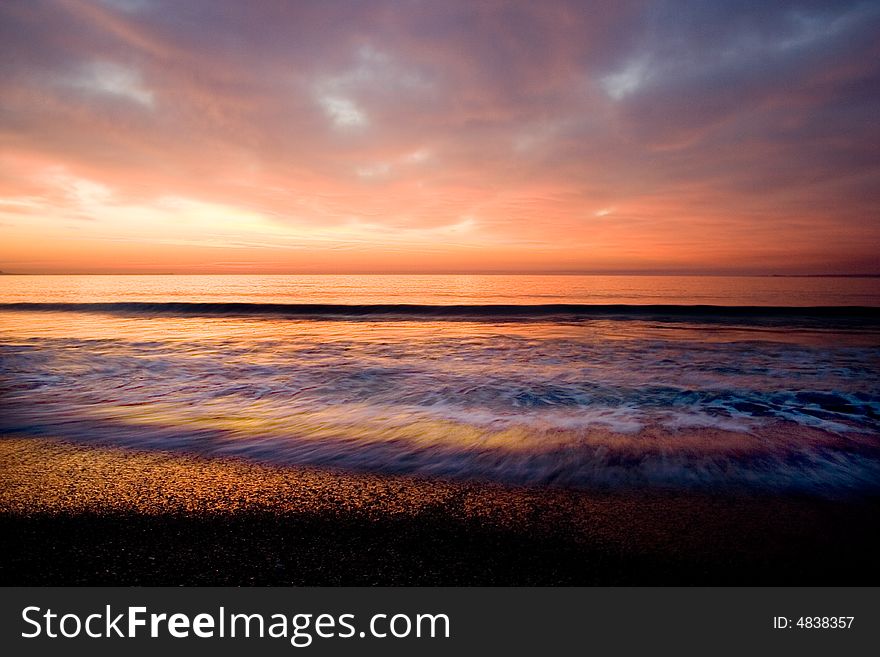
[(423, 136)]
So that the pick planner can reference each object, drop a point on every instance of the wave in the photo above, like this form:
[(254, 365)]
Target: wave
[(603, 404), (859, 315), (787, 458)]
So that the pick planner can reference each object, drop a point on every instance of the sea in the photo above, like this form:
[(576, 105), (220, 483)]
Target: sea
[(753, 383)]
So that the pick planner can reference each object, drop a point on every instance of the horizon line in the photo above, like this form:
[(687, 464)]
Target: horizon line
[(451, 273)]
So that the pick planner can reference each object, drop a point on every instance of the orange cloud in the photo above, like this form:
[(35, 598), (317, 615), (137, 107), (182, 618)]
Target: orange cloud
[(152, 136)]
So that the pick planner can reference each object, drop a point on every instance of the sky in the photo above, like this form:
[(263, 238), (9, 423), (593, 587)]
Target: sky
[(156, 136)]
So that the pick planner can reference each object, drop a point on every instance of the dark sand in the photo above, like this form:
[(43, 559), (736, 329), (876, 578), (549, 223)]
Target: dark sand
[(84, 515)]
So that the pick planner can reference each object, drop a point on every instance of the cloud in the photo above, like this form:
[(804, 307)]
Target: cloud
[(128, 5), (628, 80), (611, 135), (107, 78), (343, 112)]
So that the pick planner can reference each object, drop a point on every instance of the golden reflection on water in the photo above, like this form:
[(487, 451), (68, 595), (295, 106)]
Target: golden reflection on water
[(351, 422), (218, 332), (446, 289)]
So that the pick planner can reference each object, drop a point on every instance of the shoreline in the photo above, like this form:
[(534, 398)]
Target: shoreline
[(74, 514)]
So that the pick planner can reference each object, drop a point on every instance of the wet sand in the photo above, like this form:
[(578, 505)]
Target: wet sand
[(87, 515)]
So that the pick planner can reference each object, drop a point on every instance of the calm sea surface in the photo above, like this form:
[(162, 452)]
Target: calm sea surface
[(608, 387), (683, 290)]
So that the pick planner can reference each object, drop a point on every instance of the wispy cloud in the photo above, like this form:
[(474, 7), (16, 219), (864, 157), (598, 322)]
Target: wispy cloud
[(110, 79)]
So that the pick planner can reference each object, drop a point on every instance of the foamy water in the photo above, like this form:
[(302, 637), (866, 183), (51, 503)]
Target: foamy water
[(773, 398)]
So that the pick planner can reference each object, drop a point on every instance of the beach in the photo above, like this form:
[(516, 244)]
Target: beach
[(285, 430), (93, 515), (438, 294)]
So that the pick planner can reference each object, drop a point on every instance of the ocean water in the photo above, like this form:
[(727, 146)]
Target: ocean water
[(756, 383)]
